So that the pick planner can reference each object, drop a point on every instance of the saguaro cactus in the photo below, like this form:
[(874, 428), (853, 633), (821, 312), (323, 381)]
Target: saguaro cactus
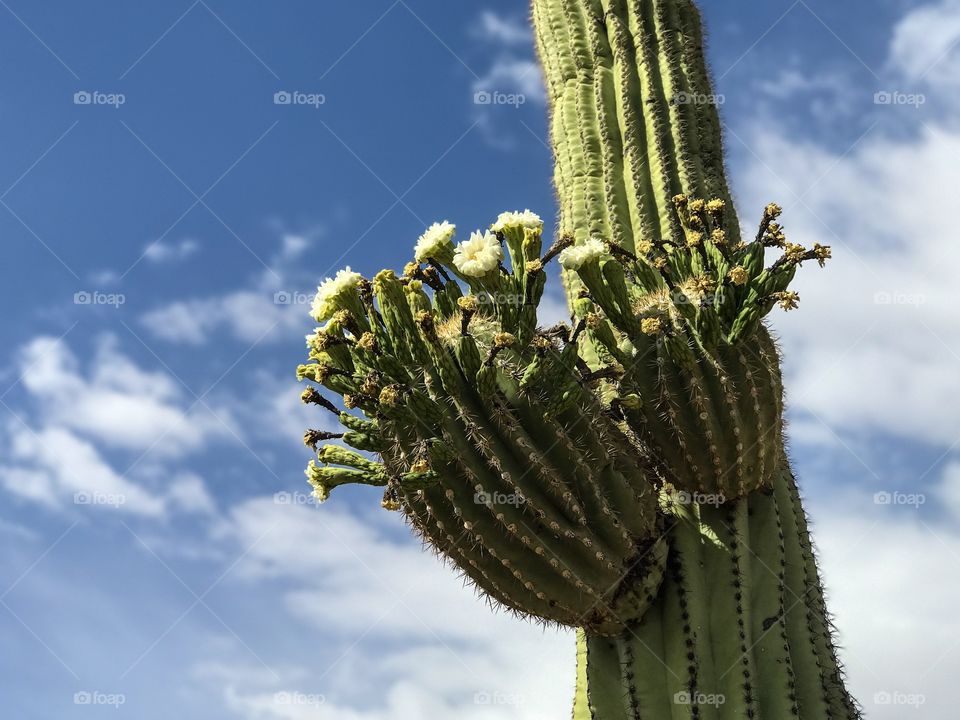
[(626, 474)]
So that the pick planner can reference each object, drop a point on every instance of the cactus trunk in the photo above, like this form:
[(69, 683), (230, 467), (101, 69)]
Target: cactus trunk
[(625, 475), (739, 628)]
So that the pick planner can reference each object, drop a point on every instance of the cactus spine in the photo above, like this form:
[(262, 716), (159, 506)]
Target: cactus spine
[(624, 475)]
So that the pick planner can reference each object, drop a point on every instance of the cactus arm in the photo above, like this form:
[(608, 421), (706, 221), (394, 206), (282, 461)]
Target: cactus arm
[(626, 476)]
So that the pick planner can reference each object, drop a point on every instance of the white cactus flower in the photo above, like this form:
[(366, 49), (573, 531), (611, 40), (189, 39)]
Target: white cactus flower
[(434, 241), (575, 257), (525, 219), (479, 255), (325, 303)]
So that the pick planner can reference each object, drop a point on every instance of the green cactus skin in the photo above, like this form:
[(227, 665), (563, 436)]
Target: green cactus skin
[(625, 476)]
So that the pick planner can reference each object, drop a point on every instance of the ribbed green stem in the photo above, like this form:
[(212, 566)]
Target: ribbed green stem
[(633, 118), (739, 629)]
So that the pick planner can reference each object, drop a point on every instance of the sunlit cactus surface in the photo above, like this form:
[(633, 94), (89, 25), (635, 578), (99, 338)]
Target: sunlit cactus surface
[(623, 473)]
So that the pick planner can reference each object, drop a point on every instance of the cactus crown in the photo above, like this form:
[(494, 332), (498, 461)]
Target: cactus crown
[(536, 459)]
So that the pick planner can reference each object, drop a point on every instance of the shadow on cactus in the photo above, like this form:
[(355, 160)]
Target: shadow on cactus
[(624, 474)]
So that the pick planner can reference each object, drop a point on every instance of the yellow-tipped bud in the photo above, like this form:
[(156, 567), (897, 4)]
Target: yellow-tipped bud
[(772, 211), (534, 266), (389, 396), (697, 206), (823, 253), (716, 206), (504, 340), (468, 303), (738, 275), (367, 342), (788, 300), (651, 326), (411, 269), (718, 237), (420, 466), (694, 239), (390, 504)]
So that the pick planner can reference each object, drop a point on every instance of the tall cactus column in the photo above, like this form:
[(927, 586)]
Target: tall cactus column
[(739, 628), (624, 475)]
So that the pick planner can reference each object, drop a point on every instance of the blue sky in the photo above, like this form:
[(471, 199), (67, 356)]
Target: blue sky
[(160, 243)]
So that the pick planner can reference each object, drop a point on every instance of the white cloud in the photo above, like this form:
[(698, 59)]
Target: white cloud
[(161, 252), (355, 583), (875, 345), (512, 76), (248, 315), (116, 402), (261, 311), (504, 30), (925, 42), (55, 452)]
